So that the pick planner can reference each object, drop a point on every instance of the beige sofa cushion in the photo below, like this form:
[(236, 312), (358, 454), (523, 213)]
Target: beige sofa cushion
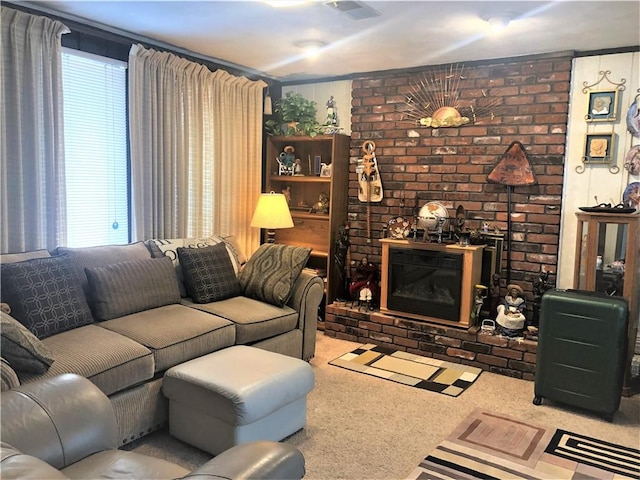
[(111, 361), (254, 320), (175, 333), (101, 256)]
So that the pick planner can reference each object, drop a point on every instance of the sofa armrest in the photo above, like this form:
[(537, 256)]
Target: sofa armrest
[(256, 460), (60, 420), (15, 465), (8, 376), (307, 293)]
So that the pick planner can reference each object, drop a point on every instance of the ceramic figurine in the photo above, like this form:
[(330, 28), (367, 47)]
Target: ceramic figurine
[(511, 318), (364, 285)]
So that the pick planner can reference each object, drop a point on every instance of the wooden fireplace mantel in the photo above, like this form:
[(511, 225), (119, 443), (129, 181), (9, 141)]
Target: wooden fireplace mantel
[(471, 272)]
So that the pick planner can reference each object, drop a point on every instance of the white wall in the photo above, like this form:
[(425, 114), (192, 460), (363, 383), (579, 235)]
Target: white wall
[(579, 190), (321, 93)]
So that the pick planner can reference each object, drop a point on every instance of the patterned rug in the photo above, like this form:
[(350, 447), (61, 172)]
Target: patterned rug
[(414, 370), (493, 446)]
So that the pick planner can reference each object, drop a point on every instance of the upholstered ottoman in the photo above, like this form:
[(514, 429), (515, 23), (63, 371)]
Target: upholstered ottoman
[(237, 395)]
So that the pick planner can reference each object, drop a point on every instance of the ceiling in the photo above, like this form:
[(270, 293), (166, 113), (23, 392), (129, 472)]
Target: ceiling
[(399, 35)]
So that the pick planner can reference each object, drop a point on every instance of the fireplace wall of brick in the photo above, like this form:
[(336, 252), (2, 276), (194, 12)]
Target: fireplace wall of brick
[(501, 355), (450, 165)]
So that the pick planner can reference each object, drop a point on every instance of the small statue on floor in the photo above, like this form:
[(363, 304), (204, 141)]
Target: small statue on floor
[(511, 316), (479, 301), (342, 252), (494, 295), (540, 286), (364, 284)]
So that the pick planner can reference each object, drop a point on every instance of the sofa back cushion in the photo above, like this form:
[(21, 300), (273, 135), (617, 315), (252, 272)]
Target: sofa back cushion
[(90, 257), (129, 287), (21, 257), (45, 295), (208, 273), (271, 271)]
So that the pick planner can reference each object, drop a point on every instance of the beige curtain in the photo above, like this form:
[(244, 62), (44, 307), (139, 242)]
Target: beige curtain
[(32, 146), (196, 143)]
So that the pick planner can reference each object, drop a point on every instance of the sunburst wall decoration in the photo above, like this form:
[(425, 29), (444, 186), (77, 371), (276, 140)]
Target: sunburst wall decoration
[(434, 101)]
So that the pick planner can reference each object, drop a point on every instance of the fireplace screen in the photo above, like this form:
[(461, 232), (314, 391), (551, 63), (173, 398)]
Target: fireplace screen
[(425, 282)]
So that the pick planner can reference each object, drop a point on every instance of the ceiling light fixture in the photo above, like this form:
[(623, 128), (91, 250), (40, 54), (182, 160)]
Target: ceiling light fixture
[(498, 23), (311, 47)]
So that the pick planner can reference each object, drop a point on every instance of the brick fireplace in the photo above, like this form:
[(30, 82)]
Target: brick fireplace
[(511, 357), (450, 165)]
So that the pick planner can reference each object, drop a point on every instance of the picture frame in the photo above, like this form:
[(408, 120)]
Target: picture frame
[(326, 169), (602, 106), (599, 148)]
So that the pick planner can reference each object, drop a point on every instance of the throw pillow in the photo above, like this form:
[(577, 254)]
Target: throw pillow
[(169, 248), (24, 352), (45, 295), (209, 274), (270, 273), (129, 287)]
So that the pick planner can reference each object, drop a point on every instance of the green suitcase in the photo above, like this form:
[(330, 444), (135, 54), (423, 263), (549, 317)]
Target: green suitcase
[(581, 350)]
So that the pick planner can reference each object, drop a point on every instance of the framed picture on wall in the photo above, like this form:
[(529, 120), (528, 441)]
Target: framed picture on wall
[(599, 148), (602, 106)]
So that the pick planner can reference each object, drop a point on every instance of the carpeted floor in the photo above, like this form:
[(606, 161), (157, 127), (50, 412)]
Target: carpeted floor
[(363, 427), (488, 445)]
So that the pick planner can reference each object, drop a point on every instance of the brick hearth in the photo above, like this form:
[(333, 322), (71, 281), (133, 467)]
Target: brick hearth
[(511, 357)]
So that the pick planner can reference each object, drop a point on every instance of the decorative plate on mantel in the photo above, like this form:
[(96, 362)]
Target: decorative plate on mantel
[(399, 228)]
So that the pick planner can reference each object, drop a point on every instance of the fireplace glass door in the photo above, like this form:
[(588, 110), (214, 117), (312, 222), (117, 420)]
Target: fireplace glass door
[(425, 282)]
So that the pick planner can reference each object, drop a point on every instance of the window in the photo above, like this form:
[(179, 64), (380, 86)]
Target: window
[(95, 143)]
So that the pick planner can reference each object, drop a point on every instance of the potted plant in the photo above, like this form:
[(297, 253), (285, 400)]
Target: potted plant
[(293, 115)]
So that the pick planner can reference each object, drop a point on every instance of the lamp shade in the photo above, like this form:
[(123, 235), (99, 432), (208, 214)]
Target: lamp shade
[(272, 212)]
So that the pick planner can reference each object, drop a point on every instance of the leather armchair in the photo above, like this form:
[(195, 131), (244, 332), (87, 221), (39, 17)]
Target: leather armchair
[(64, 427)]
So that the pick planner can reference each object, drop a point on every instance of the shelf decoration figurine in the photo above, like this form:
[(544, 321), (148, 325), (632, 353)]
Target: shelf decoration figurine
[(297, 168), (330, 125), (322, 205), (286, 161)]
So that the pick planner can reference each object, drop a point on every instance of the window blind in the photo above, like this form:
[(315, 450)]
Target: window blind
[(95, 142)]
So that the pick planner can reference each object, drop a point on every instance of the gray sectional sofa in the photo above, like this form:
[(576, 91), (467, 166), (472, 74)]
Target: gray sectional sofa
[(121, 315)]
